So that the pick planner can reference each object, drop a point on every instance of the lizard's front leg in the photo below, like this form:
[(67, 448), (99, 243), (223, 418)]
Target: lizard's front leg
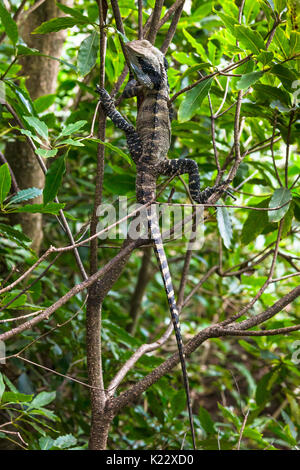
[(132, 137), (186, 165)]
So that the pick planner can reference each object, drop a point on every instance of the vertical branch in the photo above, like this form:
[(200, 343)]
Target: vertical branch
[(155, 20), (140, 19), (99, 422), (172, 29)]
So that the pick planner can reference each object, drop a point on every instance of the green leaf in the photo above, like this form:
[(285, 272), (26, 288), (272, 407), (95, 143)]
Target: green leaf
[(228, 21), (196, 45), (265, 57), (42, 399), (114, 149), (50, 208), (54, 178), (44, 102), (294, 43), (224, 224), (63, 442), (87, 54), (178, 403), (31, 135), (16, 303), (6, 231), (9, 24), (5, 181), (73, 12), (206, 421), (46, 442), (2, 384), (71, 128), (249, 39), (281, 196), (193, 99), (248, 79), (288, 219), (75, 143), (25, 195), (269, 93), (57, 24), (23, 98), (46, 153), (38, 125), (230, 416), (285, 75), (13, 397), (255, 223)]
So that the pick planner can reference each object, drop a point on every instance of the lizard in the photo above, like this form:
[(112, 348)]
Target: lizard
[(148, 145)]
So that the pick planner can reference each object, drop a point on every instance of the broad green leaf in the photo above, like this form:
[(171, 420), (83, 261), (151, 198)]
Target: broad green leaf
[(42, 399), (281, 196), (196, 45), (156, 405), (193, 99), (15, 397), (206, 421), (114, 149), (294, 43), (16, 303), (46, 153), (38, 125), (44, 102), (265, 57), (280, 43), (178, 403), (249, 39), (87, 54), (32, 136), (63, 442), (46, 442), (271, 93), (279, 5), (71, 128), (288, 219), (54, 178), (248, 79), (75, 143), (285, 75), (50, 208), (25, 195), (73, 12), (228, 21), (9, 24), (24, 50), (2, 384), (224, 225), (57, 24), (5, 181), (6, 231), (255, 223), (230, 415), (23, 98)]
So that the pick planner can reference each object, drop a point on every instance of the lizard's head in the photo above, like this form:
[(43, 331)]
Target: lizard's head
[(147, 63)]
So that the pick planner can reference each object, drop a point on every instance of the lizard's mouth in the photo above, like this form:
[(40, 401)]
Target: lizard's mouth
[(136, 67)]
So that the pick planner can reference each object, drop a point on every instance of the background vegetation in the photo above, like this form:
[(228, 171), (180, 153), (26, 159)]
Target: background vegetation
[(233, 83)]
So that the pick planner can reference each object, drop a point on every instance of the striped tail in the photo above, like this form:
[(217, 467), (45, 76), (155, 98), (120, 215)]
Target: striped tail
[(165, 272)]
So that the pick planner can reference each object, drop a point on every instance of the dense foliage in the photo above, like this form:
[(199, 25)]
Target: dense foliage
[(245, 391)]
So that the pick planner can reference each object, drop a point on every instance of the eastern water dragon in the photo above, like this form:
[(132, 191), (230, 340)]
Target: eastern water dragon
[(148, 145)]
